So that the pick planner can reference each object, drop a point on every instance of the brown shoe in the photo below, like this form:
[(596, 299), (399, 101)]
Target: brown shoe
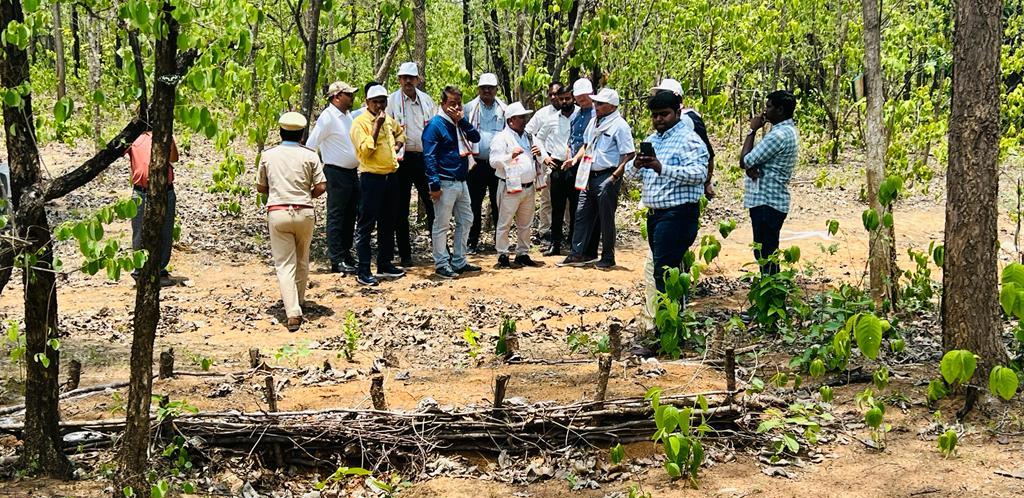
[(294, 323)]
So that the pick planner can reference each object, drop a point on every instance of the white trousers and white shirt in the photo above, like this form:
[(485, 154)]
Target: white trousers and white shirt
[(519, 180)]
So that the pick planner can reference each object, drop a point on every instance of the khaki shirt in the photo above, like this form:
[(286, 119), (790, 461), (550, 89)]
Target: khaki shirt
[(290, 171)]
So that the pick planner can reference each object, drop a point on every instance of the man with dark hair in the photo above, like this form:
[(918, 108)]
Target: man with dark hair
[(487, 114), (291, 175), (769, 166), (412, 108), (672, 183), (447, 144), (138, 156), (551, 127), (671, 85)]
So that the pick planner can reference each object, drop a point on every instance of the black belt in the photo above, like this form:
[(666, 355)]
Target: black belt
[(525, 185), (146, 189), (385, 176), (685, 205), (594, 174), (335, 166)]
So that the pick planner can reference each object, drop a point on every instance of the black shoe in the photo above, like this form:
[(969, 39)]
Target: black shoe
[(367, 279), (588, 259), (467, 268), (503, 261), (605, 263), (473, 249), (445, 272), (391, 271), (407, 263), (553, 251), (573, 260), (524, 260), (344, 267)]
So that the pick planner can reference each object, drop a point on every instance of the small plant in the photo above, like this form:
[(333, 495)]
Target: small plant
[(617, 454), (173, 409), (874, 417), (772, 295), (679, 437), (471, 337), (506, 330), (947, 443), (1003, 382), (677, 326), (920, 290), (292, 353), (585, 343), (15, 345), (798, 421), (726, 227), (203, 362), (351, 331), (339, 475)]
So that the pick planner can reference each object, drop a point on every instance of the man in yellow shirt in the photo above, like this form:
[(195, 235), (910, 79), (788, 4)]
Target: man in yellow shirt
[(377, 137)]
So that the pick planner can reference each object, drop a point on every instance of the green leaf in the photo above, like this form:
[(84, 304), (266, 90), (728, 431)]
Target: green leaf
[(958, 366), (62, 109), (617, 454), (889, 190), (673, 470), (936, 390), (939, 255), (1013, 273), (870, 219), (726, 227), (947, 443), (1003, 382), (833, 226), (868, 333), (873, 417), (826, 393), (817, 368), (30, 5)]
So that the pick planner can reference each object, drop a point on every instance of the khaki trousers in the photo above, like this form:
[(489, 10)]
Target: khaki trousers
[(518, 208), (291, 231)]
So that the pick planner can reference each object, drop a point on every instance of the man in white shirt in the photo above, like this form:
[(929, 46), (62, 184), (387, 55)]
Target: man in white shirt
[(331, 138), (413, 109), (550, 128), (516, 162), (487, 114)]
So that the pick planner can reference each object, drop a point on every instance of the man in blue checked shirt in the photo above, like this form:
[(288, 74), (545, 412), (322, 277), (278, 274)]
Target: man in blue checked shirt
[(673, 182), (769, 167)]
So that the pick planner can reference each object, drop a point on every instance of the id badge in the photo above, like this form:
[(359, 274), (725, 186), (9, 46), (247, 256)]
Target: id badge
[(583, 173)]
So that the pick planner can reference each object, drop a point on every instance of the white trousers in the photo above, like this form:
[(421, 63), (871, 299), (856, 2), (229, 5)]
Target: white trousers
[(519, 208)]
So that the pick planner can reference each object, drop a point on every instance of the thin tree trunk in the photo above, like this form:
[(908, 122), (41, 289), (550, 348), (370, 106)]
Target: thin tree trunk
[(76, 47), (58, 49), (311, 69), (419, 28), (92, 28), (970, 316), (881, 245), (133, 457), (493, 37), (467, 41), (385, 64), (42, 440)]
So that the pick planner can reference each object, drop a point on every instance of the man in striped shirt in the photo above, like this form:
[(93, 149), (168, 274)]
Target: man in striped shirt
[(673, 182)]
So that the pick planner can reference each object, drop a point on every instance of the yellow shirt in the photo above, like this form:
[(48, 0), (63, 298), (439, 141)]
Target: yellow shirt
[(378, 158)]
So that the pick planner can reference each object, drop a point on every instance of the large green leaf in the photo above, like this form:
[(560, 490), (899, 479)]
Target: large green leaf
[(1003, 382), (958, 366), (868, 333), (1013, 273)]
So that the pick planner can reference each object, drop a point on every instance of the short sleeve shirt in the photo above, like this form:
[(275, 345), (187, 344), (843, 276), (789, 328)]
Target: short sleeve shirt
[(139, 155), (607, 145), (290, 171)]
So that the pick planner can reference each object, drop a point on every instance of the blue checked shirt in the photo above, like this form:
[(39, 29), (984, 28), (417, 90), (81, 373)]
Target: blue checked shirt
[(684, 167), (776, 155)]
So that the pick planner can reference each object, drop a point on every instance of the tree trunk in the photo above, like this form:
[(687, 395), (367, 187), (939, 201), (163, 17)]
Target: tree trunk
[(76, 46), (42, 440), (384, 68), (311, 69), (133, 455), (419, 29), (881, 245), (58, 49), (467, 41), (970, 316), (493, 37), (92, 32)]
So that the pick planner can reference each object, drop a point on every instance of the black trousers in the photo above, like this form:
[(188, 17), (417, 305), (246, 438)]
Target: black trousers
[(563, 192), (671, 232), (767, 223), (596, 211), (380, 197), (342, 212), (482, 181), (411, 173)]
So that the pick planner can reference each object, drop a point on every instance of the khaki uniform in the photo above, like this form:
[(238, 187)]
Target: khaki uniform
[(290, 171)]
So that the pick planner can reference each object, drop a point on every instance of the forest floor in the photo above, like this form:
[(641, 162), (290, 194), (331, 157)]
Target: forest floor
[(226, 301)]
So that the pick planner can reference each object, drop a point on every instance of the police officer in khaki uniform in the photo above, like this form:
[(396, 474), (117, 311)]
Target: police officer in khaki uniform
[(291, 175)]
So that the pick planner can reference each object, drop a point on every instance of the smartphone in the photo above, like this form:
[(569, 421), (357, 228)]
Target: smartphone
[(647, 149)]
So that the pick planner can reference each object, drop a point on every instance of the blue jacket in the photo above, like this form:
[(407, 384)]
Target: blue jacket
[(441, 158)]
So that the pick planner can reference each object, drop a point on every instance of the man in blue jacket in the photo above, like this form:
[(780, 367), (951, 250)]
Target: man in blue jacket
[(447, 150)]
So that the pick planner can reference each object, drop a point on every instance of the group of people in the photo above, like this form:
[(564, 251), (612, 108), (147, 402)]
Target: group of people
[(571, 155)]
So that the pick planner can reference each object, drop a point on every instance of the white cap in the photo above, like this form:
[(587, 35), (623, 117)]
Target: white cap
[(582, 86), (376, 91), (516, 109), (408, 69), (488, 79), (607, 96), (670, 85), (292, 121)]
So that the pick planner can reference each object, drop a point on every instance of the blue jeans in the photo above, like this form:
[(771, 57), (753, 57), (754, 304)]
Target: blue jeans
[(166, 235), (455, 201), (670, 232)]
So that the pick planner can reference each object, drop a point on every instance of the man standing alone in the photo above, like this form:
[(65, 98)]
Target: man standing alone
[(447, 144), (139, 155), (487, 114), (769, 167), (331, 137), (291, 175), (412, 109)]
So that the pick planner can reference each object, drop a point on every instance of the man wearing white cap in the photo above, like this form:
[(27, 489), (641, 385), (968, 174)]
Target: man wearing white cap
[(550, 127), (331, 137), (607, 149), (582, 91), (487, 114), (671, 85), (291, 176), (412, 109), (517, 163), (377, 138)]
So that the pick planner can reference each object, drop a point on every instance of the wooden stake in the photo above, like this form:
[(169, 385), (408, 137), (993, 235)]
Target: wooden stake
[(500, 384), (268, 386), (604, 370), (167, 364), (511, 345), (255, 358), (730, 373), (74, 375), (615, 339), (377, 393), (390, 358)]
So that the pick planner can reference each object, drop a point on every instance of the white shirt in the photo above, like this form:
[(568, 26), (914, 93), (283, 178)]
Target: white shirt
[(412, 115), (331, 137), (502, 146), (550, 129), (608, 139)]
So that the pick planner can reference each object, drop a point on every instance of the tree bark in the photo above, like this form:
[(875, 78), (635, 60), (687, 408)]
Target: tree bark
[(42, 440), (881, 241), (419, 28), (58, 49), (467, 41), (382, 71), (76, 44), (133, 457), (970, 316), (312, 68), (493, 37), (92, 33)]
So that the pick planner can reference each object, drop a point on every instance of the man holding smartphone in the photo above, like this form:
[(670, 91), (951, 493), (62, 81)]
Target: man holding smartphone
[(769, 167), (672, 166)]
